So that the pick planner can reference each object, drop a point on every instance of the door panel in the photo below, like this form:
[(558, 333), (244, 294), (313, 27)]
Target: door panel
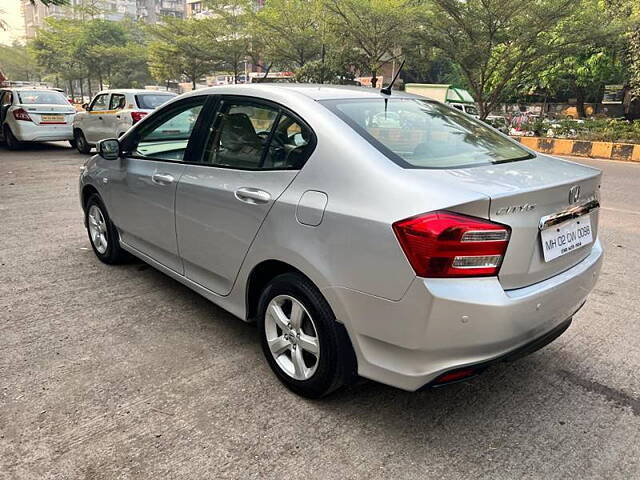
[(216, 224), (143, 183), (94, 127), (142, 203)]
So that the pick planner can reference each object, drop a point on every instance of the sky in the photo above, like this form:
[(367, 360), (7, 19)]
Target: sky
[(13, 17)]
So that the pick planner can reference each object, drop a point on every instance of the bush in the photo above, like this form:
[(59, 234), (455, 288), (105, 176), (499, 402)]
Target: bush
[(597, 130)]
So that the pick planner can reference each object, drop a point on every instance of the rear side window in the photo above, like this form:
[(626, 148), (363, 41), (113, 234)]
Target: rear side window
[(118, 102), (240, 135), (423, 134), (39, 97), (151, 101), (250, 135)]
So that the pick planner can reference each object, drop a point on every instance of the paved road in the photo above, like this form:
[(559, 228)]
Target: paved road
[(121, 372)]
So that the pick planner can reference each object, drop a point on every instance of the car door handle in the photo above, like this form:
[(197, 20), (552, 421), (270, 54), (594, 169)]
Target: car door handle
[(252, 195), (162, 178)]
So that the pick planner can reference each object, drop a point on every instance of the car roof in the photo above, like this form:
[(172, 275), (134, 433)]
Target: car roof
[(134, 90), (310, 90), (30, 89)]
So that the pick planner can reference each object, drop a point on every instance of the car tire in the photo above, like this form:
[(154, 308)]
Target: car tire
[(103, 236), (310, 375), (81, 142), (10, 140)]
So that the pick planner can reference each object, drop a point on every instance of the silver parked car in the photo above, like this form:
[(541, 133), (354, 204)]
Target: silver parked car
[(385, 236)]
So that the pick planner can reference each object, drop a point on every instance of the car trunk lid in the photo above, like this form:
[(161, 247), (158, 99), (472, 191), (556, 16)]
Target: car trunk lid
[(50, 114), (522, 193)]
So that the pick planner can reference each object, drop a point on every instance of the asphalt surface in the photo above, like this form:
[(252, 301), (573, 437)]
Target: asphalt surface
[(121, 372)]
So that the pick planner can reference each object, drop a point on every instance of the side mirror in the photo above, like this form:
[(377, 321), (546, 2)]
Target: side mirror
[(109, 149), (85, 106)]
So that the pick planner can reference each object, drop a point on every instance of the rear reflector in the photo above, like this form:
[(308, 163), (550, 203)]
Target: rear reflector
[(455, 376), (21, 114), (445, 244)]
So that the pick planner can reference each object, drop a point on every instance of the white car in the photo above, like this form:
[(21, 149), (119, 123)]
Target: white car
[(112, 112), (34, 115)]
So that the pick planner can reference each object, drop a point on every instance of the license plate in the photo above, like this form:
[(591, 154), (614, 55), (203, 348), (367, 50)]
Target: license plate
[(52, 119), (566, 237)]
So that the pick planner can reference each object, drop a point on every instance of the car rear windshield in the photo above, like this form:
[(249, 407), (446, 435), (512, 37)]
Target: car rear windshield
[(40, 97), (149, 101), (424, 134)]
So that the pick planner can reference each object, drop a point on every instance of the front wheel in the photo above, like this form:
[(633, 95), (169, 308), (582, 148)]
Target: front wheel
[(307, 349), (102, 233), (81, 142)]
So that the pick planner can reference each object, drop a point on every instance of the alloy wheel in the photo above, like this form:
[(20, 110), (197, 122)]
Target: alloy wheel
[(98, 229), (292, 337)]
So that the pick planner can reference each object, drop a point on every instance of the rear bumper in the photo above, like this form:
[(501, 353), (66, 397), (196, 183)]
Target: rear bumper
[(444, 324), (30, 132)]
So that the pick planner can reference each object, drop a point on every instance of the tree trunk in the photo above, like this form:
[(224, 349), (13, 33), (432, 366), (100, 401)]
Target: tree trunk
[(71, 88), (81, 90), (193, 82), (580, 102), (374, 79)]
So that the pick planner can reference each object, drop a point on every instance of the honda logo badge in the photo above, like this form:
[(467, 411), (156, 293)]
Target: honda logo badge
[(574, 194)]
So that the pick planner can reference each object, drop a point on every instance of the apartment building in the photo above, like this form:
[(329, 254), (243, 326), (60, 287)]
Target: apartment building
[(149, 11)]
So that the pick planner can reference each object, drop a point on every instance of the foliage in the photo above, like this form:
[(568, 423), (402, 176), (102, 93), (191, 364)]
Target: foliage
[(110, 52), (290, 33), (376, 28), (17, 62), (181, 48), (597, 130), (500, 45)]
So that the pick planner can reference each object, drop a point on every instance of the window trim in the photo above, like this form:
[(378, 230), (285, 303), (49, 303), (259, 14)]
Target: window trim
[(134, 134), (93, 102), (114, 95), (199, 136), (221, 98)]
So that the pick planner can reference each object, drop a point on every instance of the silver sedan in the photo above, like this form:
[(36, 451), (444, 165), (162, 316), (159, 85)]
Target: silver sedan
[(383, 236)]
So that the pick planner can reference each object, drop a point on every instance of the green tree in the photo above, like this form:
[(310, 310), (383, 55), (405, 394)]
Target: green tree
[(289, 33), (377, 29), (499, 45), (181, 48), (17, 63), (229, 31)]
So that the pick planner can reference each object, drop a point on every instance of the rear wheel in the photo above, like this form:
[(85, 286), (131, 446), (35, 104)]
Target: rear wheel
[(11, 141), (304, 345), (102, 233), (81, 142)]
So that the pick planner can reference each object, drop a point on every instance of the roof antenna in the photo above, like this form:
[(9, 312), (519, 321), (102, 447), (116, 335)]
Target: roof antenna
[(387, 90)]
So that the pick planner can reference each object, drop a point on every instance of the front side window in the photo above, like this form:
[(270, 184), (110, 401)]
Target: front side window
[(41, 97), (118, 102), (166, 136), (423, 134), (101, 102)]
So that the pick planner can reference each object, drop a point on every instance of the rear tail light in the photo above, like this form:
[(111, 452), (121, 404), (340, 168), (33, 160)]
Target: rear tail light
[(137, 116), (444, 244), (21, 114)]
